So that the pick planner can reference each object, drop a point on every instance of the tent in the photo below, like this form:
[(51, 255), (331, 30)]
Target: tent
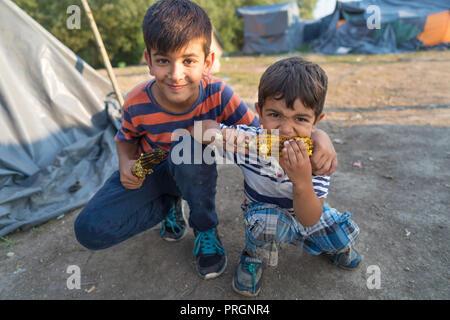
[(58, 118), (270, 28), (403, 25)]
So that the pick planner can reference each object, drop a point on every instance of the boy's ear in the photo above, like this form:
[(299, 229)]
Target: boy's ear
[(258, 109), (149, 61), (320, 117), (209, 62)]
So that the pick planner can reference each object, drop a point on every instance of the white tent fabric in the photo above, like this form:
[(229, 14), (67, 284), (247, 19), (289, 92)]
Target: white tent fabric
[(57, 123)]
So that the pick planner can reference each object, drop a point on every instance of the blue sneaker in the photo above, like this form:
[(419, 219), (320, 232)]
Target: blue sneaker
[(210, 255), (348, 260), (248, 276), (173, 227)]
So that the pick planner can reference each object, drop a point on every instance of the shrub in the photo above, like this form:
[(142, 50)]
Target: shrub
[(119, 23)]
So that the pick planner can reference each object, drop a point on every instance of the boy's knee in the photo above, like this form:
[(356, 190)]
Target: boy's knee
[(269, 225), (87, 234), (259, 231)]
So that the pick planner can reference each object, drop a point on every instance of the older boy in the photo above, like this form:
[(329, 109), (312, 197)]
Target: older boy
[(284, 201), (177, 34)]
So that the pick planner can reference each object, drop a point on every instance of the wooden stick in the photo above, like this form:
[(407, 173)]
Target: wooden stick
[(101, 46)]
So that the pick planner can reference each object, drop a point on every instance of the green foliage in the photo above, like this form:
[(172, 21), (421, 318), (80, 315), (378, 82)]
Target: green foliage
[(306, 8), (119, 23)]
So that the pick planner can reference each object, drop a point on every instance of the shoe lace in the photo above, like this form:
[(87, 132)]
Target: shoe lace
[(170, 223), (207, 243)]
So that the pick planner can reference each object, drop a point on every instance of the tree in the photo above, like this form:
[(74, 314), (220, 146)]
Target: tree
[(119, 23), (307, 8)]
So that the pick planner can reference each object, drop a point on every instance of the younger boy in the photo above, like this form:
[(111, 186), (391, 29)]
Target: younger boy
[(284, 201), (177, 34)]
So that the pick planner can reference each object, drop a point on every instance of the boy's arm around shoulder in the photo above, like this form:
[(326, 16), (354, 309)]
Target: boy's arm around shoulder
[(324, 158), (230, 138)]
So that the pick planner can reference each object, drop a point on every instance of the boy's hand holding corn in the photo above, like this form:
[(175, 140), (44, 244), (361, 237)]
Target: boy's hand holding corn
[(296, 163)]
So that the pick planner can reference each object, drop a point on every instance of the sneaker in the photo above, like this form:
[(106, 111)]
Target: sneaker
[(173, 227), (248, 276), (210, 255), (348, 260)]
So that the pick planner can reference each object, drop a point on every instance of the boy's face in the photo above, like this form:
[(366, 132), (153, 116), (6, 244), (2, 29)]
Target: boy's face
[(297, 122), (178, 74)]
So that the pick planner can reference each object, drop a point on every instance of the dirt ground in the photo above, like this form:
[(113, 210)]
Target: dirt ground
[(389, 118)]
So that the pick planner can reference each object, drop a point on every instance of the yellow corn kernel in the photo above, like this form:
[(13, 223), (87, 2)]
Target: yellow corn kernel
[(266, 142), (147, 162)]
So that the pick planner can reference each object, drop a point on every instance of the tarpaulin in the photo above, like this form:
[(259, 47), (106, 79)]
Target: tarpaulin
[(57, 123), (403, 25), (270, 28)]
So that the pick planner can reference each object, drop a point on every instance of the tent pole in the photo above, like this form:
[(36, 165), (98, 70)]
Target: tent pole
[(101, 46)]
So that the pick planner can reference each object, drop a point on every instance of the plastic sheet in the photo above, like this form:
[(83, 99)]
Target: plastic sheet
[(401, 23), (58, 119), (270, 28)]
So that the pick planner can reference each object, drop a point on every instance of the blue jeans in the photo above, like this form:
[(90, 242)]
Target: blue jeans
[(115, 214)]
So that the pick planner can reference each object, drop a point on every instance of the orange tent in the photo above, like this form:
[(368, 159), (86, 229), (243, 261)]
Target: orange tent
[(437, 29)]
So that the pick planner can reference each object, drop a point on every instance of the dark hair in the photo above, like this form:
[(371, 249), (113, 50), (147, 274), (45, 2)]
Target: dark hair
[(294, 78), (171, 24)]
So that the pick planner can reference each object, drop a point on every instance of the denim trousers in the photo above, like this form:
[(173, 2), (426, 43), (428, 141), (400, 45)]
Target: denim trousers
[(115, 214)]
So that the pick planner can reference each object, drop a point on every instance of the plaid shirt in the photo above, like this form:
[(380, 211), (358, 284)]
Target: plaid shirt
[(265, 180)]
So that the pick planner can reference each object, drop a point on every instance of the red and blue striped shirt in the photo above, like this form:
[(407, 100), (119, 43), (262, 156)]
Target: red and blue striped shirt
[(147, 123)]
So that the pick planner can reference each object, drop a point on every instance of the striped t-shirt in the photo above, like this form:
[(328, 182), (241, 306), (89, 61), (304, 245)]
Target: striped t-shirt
[(265, 180), (147, 123)]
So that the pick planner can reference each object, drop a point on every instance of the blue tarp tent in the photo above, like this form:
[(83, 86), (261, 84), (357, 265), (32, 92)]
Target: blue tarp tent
[(270, 28), (381, 26)]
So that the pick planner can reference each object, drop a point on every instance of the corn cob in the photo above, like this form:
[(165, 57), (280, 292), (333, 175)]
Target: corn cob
[(148, 161), (264, 143)]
